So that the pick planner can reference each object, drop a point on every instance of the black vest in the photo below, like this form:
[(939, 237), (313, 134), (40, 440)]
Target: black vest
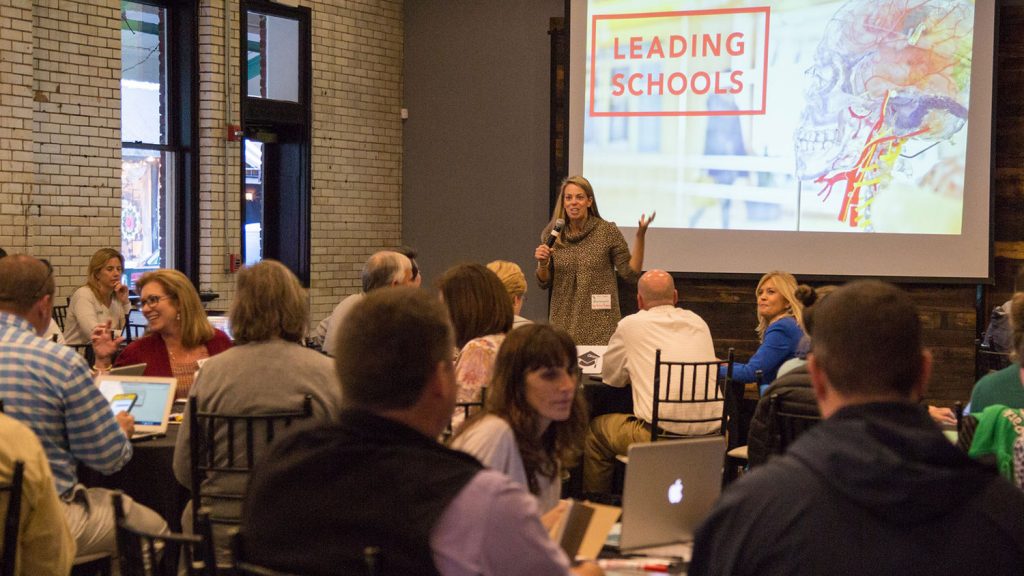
[(322, 496)]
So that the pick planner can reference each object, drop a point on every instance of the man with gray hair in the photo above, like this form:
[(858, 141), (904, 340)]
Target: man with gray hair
[(682, 336), (49, 388), (384, 268)]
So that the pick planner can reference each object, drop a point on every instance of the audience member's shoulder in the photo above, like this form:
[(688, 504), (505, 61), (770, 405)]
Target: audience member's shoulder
[(787, 325), (59, 352), (780, 483), (489, 425), (691, 316), (18, 434)]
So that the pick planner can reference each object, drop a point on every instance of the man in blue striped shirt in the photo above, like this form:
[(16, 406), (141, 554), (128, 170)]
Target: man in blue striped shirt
[(49, 388)]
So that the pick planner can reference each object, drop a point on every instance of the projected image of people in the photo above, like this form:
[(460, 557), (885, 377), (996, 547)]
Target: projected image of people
[(882, 139)]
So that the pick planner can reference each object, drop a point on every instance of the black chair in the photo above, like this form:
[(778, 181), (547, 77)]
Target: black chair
[(785, 425), (86, 351), (144, 554), (60, 314), (243, 567), (237, 435), (690, 384), (12, 519), (133, 331), (468, 409), (987, 360)]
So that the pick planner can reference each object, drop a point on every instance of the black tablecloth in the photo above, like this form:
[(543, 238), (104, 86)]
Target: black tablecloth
[(602, 399), (148, 478)]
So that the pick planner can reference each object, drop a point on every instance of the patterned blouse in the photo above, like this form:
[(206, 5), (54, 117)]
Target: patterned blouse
[(584, 267), (185, 374), (473, 369)]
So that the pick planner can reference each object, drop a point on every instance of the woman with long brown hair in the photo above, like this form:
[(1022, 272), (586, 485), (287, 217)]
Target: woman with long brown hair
[(481, 313), (535, 418), (581, 266)]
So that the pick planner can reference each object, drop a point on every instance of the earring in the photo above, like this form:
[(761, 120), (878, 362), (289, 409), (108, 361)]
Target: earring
[(178, 317)]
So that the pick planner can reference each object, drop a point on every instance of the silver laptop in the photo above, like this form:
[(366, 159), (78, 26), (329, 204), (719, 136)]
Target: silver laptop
[(153, 398), (222, 323), (670, 488), (129, 370)]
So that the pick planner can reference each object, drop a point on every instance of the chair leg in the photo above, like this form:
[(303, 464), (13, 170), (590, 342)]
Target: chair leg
[(93, 566)]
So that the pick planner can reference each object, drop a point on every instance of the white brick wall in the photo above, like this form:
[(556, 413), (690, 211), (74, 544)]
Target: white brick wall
[(60, 138), (16, 162)]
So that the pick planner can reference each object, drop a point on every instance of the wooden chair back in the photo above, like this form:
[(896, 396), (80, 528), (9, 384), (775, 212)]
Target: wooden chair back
[(227, 444)]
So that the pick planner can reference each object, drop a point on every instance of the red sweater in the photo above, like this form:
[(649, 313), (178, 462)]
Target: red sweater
[(152, 350)]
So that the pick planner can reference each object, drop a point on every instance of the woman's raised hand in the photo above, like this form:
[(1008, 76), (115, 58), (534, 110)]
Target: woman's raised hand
[(645, 222)]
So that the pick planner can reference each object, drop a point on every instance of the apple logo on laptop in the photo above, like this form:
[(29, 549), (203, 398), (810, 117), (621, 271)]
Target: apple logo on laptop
[(675, 492)]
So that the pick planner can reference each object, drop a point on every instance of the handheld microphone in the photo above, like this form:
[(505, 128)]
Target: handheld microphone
[(556, 231)]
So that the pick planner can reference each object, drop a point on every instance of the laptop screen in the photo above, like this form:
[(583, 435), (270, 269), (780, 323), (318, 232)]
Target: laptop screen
[(670, 488), (221, 323), (153, 396)]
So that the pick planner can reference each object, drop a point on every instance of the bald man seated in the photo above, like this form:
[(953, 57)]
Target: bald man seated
[(682, 336)]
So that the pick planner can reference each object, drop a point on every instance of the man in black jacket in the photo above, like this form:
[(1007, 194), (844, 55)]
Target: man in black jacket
[(875, 488), (323, 499)]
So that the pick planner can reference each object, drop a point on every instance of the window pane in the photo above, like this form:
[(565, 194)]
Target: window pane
[(273, 57), (146, 214), (253, 202), (143, 73)]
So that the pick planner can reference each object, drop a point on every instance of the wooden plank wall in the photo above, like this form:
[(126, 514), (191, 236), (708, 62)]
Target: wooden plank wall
[(948, 312)]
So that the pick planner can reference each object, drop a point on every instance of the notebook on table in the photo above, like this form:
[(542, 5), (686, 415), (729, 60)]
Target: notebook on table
[(153, 400), (670, 488)]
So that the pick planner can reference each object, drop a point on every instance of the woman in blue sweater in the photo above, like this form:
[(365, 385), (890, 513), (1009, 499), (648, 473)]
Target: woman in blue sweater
[(780, 328)]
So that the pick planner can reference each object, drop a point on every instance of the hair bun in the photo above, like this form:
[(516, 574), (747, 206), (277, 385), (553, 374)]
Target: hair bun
[(806, 295)]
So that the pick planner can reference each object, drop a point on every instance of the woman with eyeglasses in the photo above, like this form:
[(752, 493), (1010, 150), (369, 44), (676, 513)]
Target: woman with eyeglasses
[(102, 300), (179, 337)]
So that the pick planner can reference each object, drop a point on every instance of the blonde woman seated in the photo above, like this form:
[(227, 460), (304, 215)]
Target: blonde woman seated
[(535, 418), (103, 300), (179, 335), (512, 277)]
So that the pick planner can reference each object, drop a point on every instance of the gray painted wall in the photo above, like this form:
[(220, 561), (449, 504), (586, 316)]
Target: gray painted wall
[(476, 143)]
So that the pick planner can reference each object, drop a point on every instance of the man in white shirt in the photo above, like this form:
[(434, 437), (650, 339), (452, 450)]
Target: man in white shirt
[(682, 336)]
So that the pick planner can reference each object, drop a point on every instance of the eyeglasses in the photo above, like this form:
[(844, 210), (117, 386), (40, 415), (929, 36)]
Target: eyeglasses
[(151, 301)]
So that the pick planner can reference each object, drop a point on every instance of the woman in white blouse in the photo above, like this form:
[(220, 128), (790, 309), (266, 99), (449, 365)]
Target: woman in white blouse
[(102, 299), (535, 417)]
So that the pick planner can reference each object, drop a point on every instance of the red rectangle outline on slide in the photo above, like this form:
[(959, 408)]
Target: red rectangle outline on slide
[(766, 10)]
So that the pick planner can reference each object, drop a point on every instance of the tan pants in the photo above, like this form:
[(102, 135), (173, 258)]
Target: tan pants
[(90, 516), (609, 436)]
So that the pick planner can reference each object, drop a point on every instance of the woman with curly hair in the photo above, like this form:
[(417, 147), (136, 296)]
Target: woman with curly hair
[(534, 419)]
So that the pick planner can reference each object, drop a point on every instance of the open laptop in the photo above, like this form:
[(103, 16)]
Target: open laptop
[(129, 370), (669, 490), (222, 323), (153, 400)]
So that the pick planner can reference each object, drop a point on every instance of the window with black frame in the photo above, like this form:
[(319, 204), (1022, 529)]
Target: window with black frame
[(158, 160), (276, 118)]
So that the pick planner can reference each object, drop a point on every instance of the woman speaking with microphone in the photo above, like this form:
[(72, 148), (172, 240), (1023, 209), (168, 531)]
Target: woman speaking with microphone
[(582, 261)]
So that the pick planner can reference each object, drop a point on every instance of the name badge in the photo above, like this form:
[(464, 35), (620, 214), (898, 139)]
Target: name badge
[(600, 301)]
